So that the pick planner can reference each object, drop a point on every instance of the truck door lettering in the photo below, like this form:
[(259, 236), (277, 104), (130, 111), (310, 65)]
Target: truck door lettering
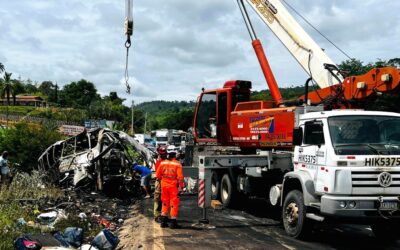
[(308, 159)]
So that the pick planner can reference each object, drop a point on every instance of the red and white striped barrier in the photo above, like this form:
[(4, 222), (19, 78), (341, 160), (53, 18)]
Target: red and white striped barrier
[(202, 193)]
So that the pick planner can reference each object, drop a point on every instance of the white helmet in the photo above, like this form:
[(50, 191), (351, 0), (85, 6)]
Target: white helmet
[(171, 149)]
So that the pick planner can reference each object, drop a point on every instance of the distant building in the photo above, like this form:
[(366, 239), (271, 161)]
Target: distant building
[(25, 100)]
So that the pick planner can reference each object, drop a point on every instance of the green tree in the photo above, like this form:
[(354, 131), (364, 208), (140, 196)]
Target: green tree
[(354, 67), (50, 90), (17, 88), (26, 143), (138, 120), (79, 94), (6, 87), (11, 87), (30, 86), (1, 67), (180, 120), (113, 97), (46, 87), (395, 62)]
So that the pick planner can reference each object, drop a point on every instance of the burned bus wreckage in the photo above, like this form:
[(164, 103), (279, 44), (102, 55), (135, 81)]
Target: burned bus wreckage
[(98, 158)]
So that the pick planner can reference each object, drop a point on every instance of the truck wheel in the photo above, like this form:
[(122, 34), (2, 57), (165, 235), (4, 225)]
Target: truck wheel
[(385, 231), (227, 191), (294, 215), (215, 186)]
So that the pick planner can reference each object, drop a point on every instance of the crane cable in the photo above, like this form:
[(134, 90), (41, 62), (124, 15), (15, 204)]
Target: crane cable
[(128, 24), (127, 46), (319, 32)]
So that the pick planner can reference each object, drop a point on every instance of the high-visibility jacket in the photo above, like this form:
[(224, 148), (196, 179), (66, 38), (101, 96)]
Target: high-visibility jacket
[(158, 162), (170, 173)]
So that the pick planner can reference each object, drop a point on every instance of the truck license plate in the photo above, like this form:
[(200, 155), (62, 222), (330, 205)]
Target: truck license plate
[(389, 205)]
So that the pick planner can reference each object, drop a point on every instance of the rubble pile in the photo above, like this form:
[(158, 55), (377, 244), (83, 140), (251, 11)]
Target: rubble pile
[(90, 216)]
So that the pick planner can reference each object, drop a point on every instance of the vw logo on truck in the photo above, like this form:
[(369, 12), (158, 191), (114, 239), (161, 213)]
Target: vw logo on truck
[(385, 179)]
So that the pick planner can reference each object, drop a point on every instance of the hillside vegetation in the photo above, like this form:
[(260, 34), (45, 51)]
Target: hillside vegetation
[(79, 100)]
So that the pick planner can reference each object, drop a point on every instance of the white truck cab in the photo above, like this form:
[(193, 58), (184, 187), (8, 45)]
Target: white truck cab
[(346, 164), (162, 137)]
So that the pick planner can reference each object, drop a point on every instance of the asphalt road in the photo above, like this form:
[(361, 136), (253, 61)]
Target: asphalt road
[(254, 225)]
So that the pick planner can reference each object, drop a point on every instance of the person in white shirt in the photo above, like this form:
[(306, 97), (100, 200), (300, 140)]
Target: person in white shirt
[(4, 169)]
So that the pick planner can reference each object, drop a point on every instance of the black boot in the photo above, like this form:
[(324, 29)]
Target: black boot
[(158, 219), (164, 221), (173, 224)]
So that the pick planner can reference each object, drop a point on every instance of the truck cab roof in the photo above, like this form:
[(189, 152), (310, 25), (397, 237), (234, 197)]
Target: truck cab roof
[(345, 112)]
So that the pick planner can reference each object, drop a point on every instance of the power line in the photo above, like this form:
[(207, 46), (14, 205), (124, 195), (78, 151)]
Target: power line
[(312, 26)]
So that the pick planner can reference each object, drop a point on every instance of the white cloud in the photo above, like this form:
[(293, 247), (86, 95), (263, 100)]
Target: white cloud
[(179, 46)]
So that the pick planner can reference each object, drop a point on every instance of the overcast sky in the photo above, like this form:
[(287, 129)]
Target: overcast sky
[(179, 46)]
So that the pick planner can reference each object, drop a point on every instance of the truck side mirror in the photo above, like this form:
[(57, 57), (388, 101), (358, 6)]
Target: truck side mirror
[(297, 136)]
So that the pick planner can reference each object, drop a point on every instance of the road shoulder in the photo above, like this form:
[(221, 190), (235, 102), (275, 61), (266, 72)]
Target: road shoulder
[(140, 231)]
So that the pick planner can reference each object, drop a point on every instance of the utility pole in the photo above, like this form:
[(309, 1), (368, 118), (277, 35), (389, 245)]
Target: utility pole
[(132, 117), (56, 94), (145, 123)]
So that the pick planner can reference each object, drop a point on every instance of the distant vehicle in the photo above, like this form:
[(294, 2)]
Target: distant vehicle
[(149, 142), (178, 139), (162, 137), (142, 138)]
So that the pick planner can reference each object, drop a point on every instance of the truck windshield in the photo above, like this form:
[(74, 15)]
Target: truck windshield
[(176, 139), (365, 135), (162, 138)]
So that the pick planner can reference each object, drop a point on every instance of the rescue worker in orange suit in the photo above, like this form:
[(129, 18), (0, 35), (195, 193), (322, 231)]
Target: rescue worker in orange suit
[(171, 176), (162, 155)]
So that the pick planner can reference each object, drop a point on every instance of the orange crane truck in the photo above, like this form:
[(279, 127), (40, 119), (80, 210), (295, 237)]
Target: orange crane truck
[(316, 157)]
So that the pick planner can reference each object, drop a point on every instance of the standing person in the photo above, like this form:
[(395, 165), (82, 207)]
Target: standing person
[(162, 155), (171, 176), (4, 169), (145, 174)]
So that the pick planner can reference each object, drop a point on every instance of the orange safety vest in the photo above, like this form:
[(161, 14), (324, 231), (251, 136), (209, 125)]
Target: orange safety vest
[(158, 164), (170, 173)]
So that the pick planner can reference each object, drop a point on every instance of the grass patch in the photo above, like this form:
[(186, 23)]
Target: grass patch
[(9, 230), (28, 187), (25, 194), (16, 110), (53, 113)]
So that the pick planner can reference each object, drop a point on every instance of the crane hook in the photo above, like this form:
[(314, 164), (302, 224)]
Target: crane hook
[(128, 32)]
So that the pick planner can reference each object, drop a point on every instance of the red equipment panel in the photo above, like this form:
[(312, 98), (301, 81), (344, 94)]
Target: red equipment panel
[(263, 128)]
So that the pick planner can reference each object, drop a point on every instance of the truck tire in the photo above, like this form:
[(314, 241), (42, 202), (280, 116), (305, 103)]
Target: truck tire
[(294, 216), (215, 185), (227, 191), (386, 231)]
